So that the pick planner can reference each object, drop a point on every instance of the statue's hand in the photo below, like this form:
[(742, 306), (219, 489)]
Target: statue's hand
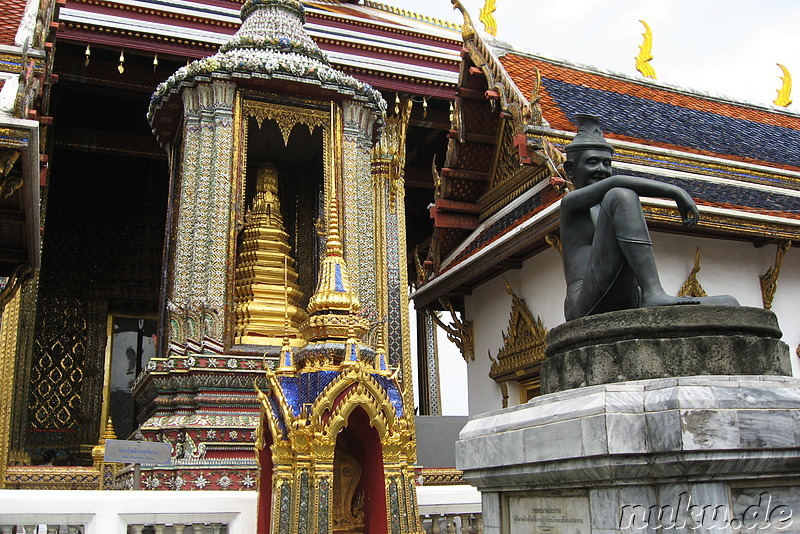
[(688, 209)]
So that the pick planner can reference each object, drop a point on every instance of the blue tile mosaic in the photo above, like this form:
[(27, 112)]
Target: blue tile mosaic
[(305, 388), (646, 119), (391, 389)]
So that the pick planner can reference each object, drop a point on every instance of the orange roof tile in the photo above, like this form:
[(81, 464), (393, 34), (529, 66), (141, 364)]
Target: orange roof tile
[(10, 18)]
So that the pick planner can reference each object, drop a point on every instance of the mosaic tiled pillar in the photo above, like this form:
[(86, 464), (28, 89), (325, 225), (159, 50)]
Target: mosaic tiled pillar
[(380, 186), (179, 296), (359, 224), (402, 511), (283, 501), (219, 231), (430, 398), (388, 168), (200, 263)]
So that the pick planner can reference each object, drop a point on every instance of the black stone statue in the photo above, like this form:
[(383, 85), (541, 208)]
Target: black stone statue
[(607, 252)]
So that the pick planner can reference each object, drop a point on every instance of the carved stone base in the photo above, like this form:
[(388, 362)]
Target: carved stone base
[(710, 454), (663, 342)]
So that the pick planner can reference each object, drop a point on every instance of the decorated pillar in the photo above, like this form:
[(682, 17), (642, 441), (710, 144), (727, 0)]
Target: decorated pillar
[(388, 170), (10, 298), (362, 217)]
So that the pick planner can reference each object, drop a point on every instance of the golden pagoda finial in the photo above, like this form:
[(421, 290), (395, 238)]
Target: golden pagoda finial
[(99, 450), (646, 53), (108, 433), (486, 16), (785, 92), (333, 308), (267, 295), (333, 243)]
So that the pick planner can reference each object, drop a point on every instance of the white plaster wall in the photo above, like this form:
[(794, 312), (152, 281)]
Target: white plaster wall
[(110, 512), (488, 308), (452, 370), (727, 267)]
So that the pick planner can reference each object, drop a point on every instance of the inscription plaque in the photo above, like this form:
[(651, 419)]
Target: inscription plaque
[(530, 514)]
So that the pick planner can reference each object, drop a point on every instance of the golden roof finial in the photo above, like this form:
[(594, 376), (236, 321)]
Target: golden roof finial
[(646, 54), (334, 306), (467, 31), (785, 92), (486, 16)]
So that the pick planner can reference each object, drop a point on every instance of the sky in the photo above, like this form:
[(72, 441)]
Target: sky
[(724, 48)]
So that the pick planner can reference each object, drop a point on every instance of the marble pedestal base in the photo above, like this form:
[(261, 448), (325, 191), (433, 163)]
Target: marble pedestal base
[(707, 453)]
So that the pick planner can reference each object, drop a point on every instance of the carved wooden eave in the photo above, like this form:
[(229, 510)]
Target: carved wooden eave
[(489, 162), (24, 75), (372, 31), (19, 194)]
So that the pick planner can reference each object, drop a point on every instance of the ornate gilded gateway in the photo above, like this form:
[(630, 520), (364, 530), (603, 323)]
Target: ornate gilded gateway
[(285, 265), (522, 352)]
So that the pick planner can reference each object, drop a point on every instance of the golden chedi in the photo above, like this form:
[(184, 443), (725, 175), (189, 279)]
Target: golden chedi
[(333, 308), (268, 299)]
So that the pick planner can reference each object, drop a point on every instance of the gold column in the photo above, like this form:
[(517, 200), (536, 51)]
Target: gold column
[(9, 327), (389, 159)]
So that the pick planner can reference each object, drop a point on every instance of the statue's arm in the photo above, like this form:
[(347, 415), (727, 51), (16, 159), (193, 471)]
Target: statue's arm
[(591, 195)]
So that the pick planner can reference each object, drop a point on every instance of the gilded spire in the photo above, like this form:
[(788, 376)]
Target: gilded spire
[(334, 306), (99, 450), (268, 298)]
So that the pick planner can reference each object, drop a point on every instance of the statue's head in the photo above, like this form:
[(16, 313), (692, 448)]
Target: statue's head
[(588, 155)]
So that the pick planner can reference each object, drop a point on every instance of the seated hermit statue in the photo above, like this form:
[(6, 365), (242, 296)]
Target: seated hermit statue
[(607, 252)]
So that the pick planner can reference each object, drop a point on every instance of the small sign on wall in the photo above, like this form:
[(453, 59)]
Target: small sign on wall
[(533, 514), (137, 452)]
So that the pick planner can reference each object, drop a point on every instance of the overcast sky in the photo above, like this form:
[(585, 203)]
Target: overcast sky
[(727, 48)]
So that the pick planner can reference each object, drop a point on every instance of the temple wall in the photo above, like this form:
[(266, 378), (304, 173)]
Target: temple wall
[(727, 267)]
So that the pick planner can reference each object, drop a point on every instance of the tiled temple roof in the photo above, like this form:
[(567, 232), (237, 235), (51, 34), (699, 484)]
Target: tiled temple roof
[(739, 161), (371, 41), (10, 18), (656, 115)]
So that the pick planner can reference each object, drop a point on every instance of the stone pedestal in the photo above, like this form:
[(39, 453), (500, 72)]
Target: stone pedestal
[(713, 453), (660, 342), (640, 448)]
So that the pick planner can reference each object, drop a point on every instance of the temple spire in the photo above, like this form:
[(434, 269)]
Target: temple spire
[(334, 306), (268, 299)]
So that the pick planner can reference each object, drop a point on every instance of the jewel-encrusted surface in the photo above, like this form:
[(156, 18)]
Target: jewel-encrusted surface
[(269, 44)]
